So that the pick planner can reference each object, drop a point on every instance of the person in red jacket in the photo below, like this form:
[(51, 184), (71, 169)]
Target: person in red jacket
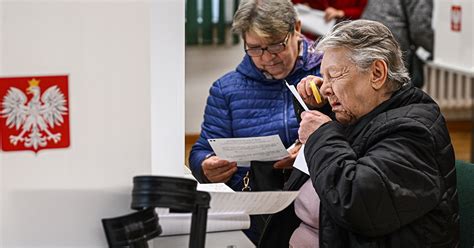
[(337, 9)]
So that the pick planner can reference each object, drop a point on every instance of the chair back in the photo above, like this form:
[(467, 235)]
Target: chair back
[(465, 185)]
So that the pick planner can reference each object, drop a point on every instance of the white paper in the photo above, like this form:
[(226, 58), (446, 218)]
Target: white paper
[(264, 202), (225, 200), (180, 223), (300, 161), (312, 20), (188, 174), (297, 95), (267, 148), (228, 210), (214, 187)]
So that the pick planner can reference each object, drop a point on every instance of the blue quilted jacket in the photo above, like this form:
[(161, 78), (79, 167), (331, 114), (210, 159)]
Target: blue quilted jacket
[(244, 103)]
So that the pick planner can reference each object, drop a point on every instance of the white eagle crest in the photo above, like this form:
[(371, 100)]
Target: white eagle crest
[(35, 116)]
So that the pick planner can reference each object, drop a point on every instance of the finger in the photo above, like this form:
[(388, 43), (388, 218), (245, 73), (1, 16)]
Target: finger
[(307, 88), (280, 164), (225, 176), (225, 180), (302, 136), (301, 88), (212, 171), (326, 14), (215, 162), (295, 149), (285, 163), (218, 171), (307, 115), (318, 81)]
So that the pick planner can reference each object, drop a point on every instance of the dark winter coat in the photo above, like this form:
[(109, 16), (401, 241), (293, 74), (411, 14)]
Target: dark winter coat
[(387, 181)]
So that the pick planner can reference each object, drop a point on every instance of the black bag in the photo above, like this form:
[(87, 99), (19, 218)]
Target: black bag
[(263, 177)]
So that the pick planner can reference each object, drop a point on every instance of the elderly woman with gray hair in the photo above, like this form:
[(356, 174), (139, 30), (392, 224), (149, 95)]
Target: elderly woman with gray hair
[(382, 174)]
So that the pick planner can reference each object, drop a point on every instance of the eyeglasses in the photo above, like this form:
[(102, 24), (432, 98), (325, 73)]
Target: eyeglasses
[(273, 49)]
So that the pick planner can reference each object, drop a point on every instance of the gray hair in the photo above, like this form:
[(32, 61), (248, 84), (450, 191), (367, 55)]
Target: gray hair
[(267, 18), (368, 41)]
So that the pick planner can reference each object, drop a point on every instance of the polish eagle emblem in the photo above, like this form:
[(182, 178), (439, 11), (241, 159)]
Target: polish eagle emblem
[(34, 117)]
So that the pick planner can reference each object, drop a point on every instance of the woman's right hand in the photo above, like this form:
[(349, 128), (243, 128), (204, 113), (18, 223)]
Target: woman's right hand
[(305, 91), (217, 170)]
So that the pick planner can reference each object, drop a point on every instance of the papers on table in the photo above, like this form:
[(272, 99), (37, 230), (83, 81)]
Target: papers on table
[(214, 187), (252, 203), (300, 161), (228, 210), (267, 148), (312, 20), (177, 224)]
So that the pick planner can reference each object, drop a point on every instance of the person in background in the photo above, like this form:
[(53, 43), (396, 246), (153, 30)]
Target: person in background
[(410, 23), (383, 173), (253, 100), (336, 9)]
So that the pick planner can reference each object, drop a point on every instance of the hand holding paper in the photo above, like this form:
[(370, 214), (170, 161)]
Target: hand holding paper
[(309, 91), (217, 170), (310, 122), (313, 21), (287, 162), (267, 148)]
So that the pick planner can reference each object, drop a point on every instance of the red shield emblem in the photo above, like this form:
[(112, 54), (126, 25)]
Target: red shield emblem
[(34, 113), (456, 17)]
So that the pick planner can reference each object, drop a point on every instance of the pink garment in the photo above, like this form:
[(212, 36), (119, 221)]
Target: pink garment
[(307, 209)]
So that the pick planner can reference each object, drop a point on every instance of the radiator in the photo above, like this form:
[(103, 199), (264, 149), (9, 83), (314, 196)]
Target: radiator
[(452, 89)]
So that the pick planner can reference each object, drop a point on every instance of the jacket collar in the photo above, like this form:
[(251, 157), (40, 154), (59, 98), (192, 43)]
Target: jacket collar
[(405, 95)]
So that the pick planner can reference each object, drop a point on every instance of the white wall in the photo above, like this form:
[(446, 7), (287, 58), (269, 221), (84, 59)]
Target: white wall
[(167, 87), (454, 49), (204, 65), (56, 198)]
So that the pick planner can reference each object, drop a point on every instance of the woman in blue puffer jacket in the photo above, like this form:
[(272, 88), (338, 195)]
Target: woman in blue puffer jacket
[(253, 100)]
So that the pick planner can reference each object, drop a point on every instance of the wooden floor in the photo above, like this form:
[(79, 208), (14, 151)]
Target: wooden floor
[(461, 137), (460, 132)]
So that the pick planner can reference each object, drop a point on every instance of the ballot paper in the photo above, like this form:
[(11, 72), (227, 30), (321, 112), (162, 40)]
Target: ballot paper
[(228, 210), (252, 203), (312, 20), (214, 187), (266, 148), (300, 161), (297, 95), (180, 223)]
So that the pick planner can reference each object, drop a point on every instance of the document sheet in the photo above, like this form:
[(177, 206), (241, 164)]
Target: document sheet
[(228, 210), (312, 20), (297, 95), (264, 202), (176, 224), (266, 148), (300, 161)]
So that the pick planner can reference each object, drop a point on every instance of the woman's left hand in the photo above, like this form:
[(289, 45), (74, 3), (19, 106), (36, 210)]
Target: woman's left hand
[(332, 13), (287, 163), (310, 122)]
